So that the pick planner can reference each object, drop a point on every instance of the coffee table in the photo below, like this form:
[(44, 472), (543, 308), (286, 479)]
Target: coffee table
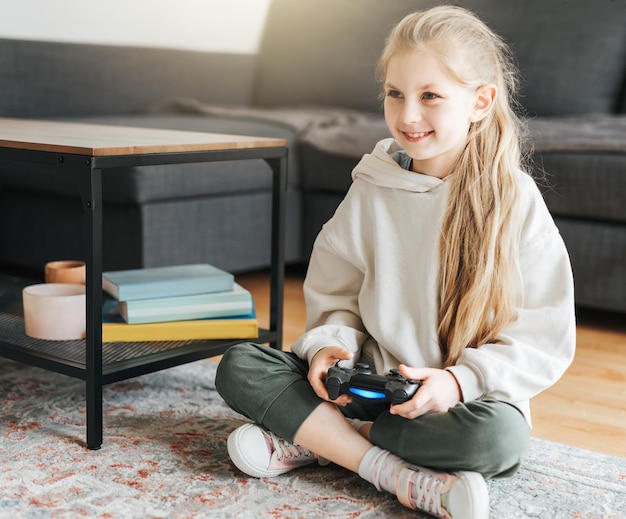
[(82, 153)]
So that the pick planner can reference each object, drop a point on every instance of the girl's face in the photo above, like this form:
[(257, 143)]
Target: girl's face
[(428, 112)]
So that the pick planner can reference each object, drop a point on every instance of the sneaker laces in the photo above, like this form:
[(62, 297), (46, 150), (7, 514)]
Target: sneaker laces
[(285, 449), (427, 495)]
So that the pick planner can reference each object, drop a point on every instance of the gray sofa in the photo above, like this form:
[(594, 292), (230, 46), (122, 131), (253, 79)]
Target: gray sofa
[(312, 83)]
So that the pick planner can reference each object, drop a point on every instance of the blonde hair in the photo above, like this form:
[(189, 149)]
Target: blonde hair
[(479, 269)]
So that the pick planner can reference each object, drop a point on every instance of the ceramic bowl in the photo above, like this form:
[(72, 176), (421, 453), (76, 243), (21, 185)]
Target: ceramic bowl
[(54, 311), (66, 271)]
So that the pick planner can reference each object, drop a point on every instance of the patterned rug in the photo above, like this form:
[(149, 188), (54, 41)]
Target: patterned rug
[(164, 456)]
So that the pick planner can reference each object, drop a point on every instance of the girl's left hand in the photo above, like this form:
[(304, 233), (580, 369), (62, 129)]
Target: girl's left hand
[(439, 392)]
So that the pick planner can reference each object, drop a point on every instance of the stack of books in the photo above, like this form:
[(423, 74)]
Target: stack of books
[(181, 302)]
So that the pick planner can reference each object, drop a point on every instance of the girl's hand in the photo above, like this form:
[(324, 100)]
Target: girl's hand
[(439, 392), (322, 360)]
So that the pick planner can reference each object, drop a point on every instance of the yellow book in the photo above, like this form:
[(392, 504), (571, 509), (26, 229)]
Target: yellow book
[(231, 328)]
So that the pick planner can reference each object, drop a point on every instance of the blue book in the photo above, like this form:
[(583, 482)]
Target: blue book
[(171, 281)]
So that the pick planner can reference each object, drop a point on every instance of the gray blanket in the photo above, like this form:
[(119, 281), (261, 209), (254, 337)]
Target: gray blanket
[(353, 133)]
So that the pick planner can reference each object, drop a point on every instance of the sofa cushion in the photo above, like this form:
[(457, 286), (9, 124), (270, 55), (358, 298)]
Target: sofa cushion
[(231, 231), (597, 251), (330, 154), (572, 53), (324, 51), (584, 160), (47, 79), (591, 132), (318, 207), (584, 185)]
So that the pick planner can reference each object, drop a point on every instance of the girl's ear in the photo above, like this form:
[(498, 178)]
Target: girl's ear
[(485, 97)]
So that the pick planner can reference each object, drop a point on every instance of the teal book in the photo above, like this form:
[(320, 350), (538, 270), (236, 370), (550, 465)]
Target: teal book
[(235, 302), (170, 281)]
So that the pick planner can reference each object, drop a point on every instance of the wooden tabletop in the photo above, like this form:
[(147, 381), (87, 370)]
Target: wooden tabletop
[(98, 140)]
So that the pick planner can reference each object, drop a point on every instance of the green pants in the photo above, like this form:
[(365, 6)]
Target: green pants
[(270, 387)]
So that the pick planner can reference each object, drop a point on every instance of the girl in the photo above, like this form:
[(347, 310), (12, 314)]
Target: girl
[(442, 261)]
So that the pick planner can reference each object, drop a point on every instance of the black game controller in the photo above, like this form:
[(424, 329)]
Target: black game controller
[(361, 384)]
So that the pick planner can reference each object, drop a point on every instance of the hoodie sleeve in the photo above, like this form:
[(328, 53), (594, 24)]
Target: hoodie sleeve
[(331, 291), (534, 351)]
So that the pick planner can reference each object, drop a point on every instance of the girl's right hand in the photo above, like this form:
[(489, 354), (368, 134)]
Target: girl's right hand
[(322, 360)]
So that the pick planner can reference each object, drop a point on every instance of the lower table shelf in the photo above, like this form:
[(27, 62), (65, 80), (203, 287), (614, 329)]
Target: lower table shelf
[(120, 360)]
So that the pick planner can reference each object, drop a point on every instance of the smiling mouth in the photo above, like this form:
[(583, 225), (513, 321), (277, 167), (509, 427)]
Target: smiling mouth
[(416, 136)]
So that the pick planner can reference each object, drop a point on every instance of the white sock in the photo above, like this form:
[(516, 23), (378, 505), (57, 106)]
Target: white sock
[(381, 468), (356, 423)]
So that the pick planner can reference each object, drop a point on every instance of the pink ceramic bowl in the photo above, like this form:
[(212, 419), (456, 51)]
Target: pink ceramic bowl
[(54, 311)]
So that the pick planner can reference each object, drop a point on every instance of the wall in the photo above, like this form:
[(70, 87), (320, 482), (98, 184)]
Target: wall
[(219, 25)]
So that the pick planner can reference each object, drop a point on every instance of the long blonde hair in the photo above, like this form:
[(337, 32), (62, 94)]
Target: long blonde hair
[(478, 268)]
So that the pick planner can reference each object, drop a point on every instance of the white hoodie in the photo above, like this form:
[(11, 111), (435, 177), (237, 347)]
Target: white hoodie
[(371, 286)]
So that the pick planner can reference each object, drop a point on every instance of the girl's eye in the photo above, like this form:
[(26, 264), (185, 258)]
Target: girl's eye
[(394, 94), (429, 96)]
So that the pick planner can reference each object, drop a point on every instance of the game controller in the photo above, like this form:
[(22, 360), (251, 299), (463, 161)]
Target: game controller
[(363, 385)]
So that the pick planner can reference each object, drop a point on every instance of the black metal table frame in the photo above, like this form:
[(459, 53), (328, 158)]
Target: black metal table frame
[(86, 172)]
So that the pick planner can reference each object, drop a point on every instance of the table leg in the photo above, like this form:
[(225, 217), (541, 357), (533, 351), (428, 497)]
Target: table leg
[(277, 272), (91, 194)]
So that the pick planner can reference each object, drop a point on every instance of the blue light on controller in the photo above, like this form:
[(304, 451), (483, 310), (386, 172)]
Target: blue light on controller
[(366, 393)]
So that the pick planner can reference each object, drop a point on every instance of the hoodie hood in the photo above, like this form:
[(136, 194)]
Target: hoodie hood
[(381, 169)]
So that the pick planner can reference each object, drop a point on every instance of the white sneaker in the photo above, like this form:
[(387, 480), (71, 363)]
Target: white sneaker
[(261, 454), (460, 495)]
